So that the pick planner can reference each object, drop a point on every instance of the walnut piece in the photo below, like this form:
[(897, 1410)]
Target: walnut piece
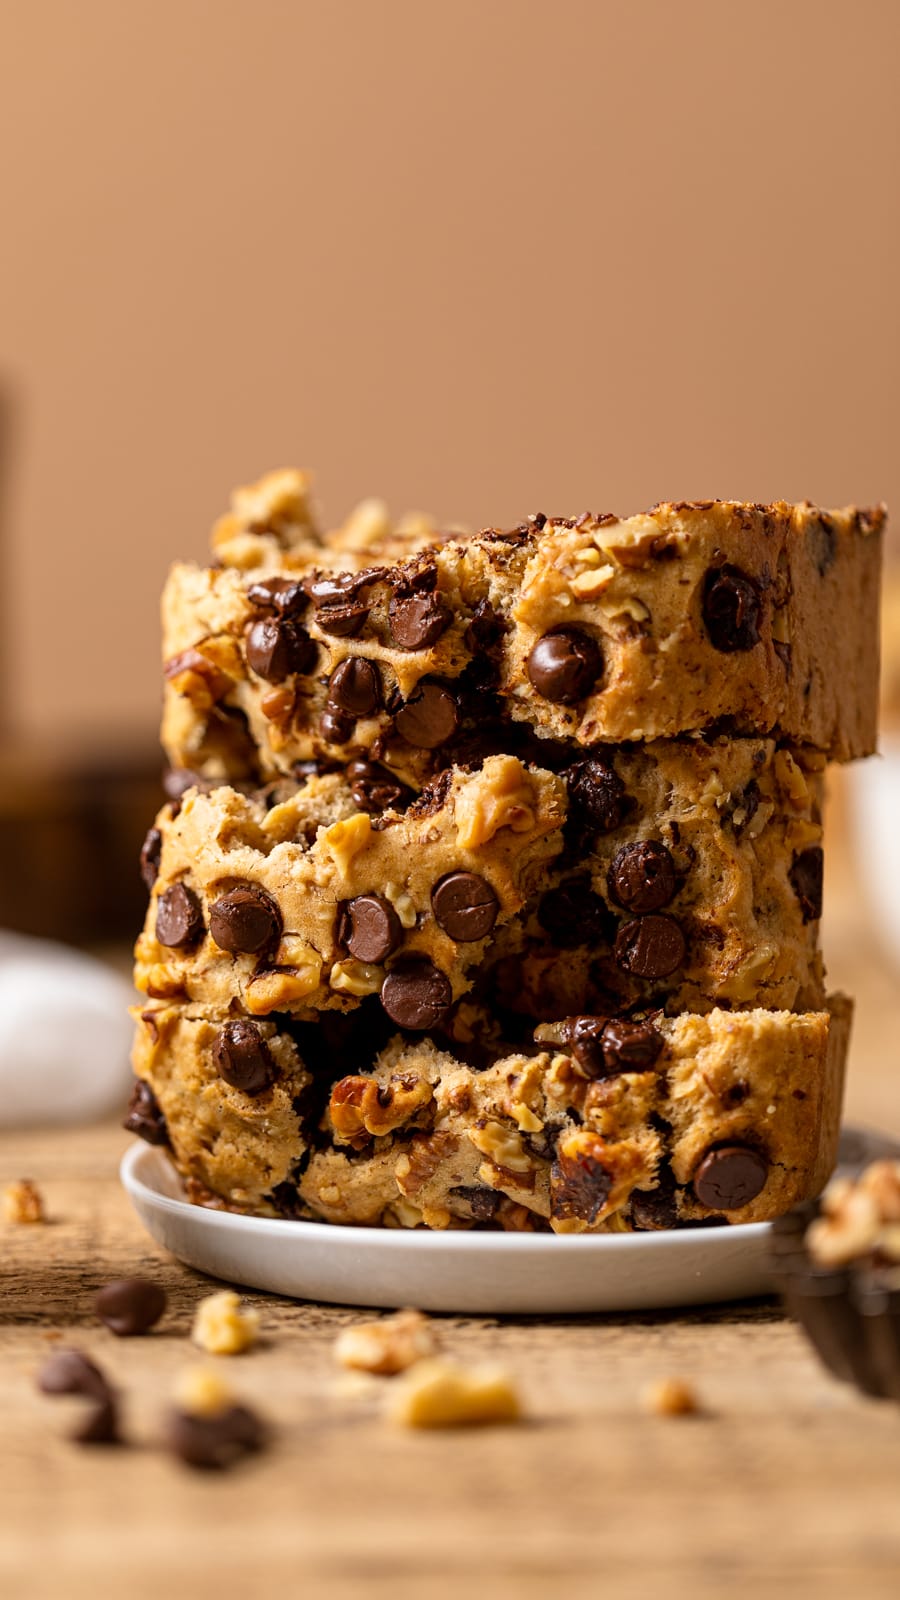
[(202, 1392), (388, 1346), (22, 1202), (858, 1217), (442, 1394), (500, 796), (362, 1105), (223, 1327), (671, 1397)]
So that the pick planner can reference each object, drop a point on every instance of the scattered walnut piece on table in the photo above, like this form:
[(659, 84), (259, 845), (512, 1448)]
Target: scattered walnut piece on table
[(23, 1202), (223, 1327), (441, 1394), (202, 1392), (386, 1347), (671, 1397)]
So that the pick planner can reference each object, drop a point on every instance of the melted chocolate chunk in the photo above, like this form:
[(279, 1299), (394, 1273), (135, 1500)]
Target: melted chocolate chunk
[(579, 1188), (428, 718), (243, 1058), (806, 875), (732, 608), (465, 906), (483, 1203), (336, 726), (730, 1177), (375, 789), (631, 1046), (416, 995), (574, 915), (485, 632), (596, 794), (369, 928), (650, 947), (130, 1306), (355, 687), (144, 1117), (179, 918), (417, 621), (565, 665), (642, 876), (245, 920), (215, 1442), (151, 850), (284, 595), (276, 648)]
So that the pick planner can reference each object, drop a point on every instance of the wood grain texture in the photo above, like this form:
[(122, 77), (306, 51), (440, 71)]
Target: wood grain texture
[(787, 1483)]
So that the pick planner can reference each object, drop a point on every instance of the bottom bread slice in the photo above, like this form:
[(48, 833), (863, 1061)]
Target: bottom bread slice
[(732, 1116)]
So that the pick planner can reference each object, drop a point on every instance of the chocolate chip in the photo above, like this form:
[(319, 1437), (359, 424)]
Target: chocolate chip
[(482, 1203), (579, 1188), (806, 874), (642, 876), (179, 918), (276, 648), (215, 1441), (130, 1306), (417, 621), (144, 1116), (730, 1177), (485, 632), (465, 906), (243, 1058), (596, 794), (415, 994), (335, 725), (355, 687), (151, 850), (732, 606), (564, 665), (369, 928), (374, 788), (336, 589), (631, 1046), (284, 595), (736, 1093), (70, 1372), (650, 947), (429, 717), (345, 621), (433, 796), (245, 920), (584, 1036), (652, 1209), (574, 915)]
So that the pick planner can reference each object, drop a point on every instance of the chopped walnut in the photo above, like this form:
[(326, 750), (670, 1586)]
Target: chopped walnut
[(356, 977), (345, 839), (501, 1145), (422, 1158), (223, 1327), (22, 1202), (441, 1394), (282, 986), (500, 796), (363, 1105), (671, 1397), (388, 1346), (202, 1392), (858, 1217)]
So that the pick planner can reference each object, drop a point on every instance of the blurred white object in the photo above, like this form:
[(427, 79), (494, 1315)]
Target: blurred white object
[(875, 787), (65, 1034)]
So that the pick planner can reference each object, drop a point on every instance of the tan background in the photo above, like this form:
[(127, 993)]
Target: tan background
[(483, 258)]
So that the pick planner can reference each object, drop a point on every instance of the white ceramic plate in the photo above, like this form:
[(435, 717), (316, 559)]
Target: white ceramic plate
[(487, 1273)]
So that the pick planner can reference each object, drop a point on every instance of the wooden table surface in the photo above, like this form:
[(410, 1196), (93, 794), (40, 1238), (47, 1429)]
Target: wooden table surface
[(788, 1480)]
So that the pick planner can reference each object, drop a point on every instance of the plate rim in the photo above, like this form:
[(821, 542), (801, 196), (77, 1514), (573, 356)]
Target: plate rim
[(416, 1239)]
